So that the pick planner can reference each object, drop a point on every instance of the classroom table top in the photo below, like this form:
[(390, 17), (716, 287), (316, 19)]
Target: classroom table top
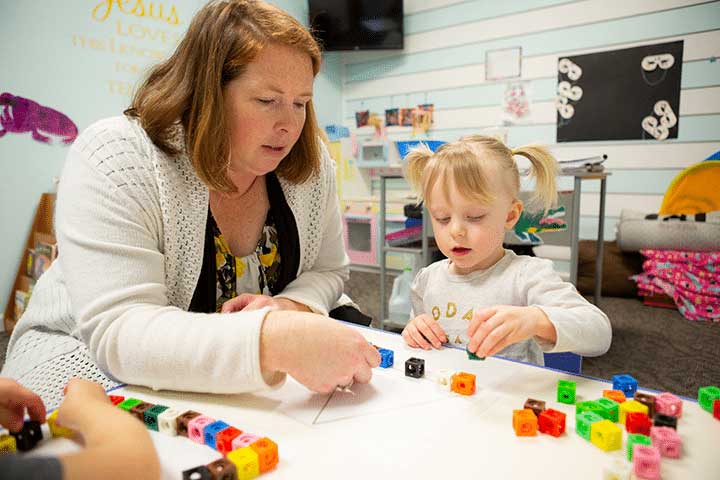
[(402, 427)]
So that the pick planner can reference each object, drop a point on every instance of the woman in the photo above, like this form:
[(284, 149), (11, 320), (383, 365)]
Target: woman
[(214, 183)]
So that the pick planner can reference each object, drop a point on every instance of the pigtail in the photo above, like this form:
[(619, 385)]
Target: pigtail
[(415, 162), (544, 169)]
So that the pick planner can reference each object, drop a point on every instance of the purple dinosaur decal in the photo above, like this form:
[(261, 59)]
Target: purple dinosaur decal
[(21, 115)]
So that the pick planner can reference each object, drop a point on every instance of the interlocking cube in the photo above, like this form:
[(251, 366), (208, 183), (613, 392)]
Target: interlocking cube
[(631, 406), (463, 383), (246, 463), (138, 411), (646, 462), (167, 421), (648, 400), (589, 406), (636, 439), (661, 420), (210, 432), (617, 470), (267, 452), (566, 391), (584, 422), (7, 444), (183, 421), (537, 406), (551, 422), (606, 435), (638, 422), (196, 428), (609, 409), (415, 367), (472, 356), (244, 440), (626, 384), (525, 423), (224, 439), (151, 416), (116, 399), (667, 441), (616, 395), (444, 378), (57, 430), (387, 358), (222, 469), (201, 472), (716, 409), (128, 403), (668, 404), (706, 397), (29, 436)]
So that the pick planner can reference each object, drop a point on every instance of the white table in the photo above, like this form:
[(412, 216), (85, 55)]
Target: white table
[(401, 427)]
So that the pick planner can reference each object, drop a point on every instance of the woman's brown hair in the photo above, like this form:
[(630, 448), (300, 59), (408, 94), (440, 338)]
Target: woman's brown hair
[(223, 37)]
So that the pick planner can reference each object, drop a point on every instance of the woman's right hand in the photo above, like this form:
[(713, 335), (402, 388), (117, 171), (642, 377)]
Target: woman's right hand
[(424, 332), (317, 351)]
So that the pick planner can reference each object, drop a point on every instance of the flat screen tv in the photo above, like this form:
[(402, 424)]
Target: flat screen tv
[(357, 24)]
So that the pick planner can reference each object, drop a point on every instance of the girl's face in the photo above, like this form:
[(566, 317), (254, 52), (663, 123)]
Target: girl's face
[(265, 108), (470, 234)]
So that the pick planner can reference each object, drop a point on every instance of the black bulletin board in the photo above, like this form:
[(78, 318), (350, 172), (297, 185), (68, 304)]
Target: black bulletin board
[(628, 94)]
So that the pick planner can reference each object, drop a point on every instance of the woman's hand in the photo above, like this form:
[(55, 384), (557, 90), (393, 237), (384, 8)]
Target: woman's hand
[(249, 301), (82, 398), (317, 351), (495, 328), (14, 400), (424, 332)]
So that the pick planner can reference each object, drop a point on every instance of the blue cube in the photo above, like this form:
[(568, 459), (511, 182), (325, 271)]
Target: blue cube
[(211, 431), (386, 358), (626, 383)]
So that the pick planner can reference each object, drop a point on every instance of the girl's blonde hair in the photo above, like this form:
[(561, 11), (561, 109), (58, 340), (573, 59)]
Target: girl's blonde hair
[(189, 87), (475, 163)]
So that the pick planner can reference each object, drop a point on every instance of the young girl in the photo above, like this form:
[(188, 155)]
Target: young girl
[(482, 296)]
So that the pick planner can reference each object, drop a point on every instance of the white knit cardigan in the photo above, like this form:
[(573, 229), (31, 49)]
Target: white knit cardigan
[(130, 224)]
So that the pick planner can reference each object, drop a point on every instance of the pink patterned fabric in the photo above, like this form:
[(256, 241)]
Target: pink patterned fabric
[(691, 279)]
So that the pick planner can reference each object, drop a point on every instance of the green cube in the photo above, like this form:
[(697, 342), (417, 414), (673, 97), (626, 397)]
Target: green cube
[(636, 439), (589, 406), (566, 391), (129, 403), (583, 422), (151, 416), (609, 409), (706, 397), (472, 356)]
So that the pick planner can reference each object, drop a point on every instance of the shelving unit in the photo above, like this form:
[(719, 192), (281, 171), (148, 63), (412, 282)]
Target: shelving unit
[(424, 251)]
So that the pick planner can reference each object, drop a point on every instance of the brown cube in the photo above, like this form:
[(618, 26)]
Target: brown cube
[(537, 406), (183, 420), (647, 400), (138, 410), (222, 469)]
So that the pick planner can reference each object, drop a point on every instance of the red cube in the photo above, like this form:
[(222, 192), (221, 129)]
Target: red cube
[(638, 422), (716, 409), (115, 399), (551, 422), (224, 438)]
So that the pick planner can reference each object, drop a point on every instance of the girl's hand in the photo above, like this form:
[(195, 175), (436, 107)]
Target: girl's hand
[(424, 332), (249, 301), (495, 328), (14, 399)]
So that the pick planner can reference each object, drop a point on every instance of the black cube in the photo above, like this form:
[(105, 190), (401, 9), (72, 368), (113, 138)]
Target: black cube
[(414, 367), (662, 420)]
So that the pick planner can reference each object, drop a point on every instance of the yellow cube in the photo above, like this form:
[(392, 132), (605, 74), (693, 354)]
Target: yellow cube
[(631, 406), (606, 435), (57, 430), (246, 463), (7, 444)]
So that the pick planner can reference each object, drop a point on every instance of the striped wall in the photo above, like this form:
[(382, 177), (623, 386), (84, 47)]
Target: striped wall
[(442, 63)]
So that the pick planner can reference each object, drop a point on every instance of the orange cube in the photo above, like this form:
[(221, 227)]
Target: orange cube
[(525, 423), (267, 452), (616, 395), (463, 383)]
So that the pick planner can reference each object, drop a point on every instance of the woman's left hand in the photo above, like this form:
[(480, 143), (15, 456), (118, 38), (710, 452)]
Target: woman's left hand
[(250, 301), (495, 328)]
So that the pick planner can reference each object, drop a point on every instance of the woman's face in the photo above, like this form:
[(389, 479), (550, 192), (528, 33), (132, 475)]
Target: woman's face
[(265, 108)]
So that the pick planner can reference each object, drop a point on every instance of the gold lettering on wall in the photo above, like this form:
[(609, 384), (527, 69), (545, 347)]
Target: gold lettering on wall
[(155, 10)]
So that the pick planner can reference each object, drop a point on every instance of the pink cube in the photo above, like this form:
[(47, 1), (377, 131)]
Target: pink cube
[(667, 440), (668, 404), (196, 428), (244, 440), (646, 461)]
